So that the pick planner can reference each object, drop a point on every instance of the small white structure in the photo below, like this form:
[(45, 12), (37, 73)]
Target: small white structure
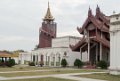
[(24, 57), (115, 44)]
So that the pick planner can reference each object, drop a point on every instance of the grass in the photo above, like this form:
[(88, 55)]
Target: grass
[(56, 71), (21, 68), (104, 76), (42, 79)]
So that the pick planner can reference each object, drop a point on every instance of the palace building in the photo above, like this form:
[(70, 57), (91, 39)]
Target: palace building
[(93, 47), (51, 49), (96, 39)]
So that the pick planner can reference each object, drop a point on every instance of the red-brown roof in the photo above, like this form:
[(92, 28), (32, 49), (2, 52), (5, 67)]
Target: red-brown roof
[(7, 54), (96, 38), (100, 21), (78, 45)]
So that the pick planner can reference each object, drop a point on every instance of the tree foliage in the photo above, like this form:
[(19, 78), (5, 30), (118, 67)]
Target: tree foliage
[(78, 63), (102, 64), (10, 62), (64, 63)]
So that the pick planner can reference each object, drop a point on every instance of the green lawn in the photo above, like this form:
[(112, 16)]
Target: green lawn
[(56, 71), (105, 76), (22, 68), (41, 79)]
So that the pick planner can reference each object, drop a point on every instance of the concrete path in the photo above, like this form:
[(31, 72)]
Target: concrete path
[(36, 70), (63, 76), (74, 77)]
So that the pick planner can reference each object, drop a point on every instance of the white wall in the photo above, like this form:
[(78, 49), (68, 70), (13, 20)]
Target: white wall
[(24, 56), (70, 57), (16, 59), (115, 45), (65, 41)]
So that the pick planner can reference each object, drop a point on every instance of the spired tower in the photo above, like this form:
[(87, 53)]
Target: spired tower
[(48, 30)]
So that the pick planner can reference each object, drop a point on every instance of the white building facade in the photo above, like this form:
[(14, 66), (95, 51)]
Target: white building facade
[(24, 58), (52, 56), (115, 44)]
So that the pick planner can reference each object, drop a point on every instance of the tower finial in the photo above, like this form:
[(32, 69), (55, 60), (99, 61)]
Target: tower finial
[(97, 6), (48, 4), (48, 15)]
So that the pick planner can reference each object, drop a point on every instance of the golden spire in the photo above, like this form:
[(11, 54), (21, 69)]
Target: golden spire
[(48, 15)]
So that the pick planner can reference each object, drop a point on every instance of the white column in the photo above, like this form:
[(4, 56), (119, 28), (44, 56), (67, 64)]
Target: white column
[(60, 58), (35, 59), (100, 51), (49, 60), (55, 60), (46, 60), (88, 46), (88, 56), (31, 58)]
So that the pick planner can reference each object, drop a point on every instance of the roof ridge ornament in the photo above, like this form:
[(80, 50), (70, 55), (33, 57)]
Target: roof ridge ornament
[(89, 12), (98, 9)]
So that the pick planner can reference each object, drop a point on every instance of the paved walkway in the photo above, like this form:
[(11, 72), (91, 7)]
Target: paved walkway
[(63, 76), (44, 70), (73, 77)]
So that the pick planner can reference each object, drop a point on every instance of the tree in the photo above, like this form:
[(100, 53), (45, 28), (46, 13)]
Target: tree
[(78, 63), (31, 63), (36, 47), (64, 63), (19, 50), (102, 64), (10, 63)]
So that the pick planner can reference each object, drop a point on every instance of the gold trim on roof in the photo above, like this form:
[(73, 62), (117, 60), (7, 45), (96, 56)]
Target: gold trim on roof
[(48, 15)]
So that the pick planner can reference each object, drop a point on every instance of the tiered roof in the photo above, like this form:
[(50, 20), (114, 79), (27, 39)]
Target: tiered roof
[(101, 22)]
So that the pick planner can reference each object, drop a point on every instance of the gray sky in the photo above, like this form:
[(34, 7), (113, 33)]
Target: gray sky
[(20, 19)]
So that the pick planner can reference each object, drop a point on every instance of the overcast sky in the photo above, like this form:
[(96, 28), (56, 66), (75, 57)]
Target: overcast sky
[(20, 19)]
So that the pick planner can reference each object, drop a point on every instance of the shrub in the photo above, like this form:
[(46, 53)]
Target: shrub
[(102, 64), (31, 64), (64, 63), (78, 63), (10, 63)]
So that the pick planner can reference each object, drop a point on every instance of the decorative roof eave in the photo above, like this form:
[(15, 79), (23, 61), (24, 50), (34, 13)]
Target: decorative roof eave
[(98, 39), (79, 30), (88, 20), (104, 28), (99, 14), (77, 45), (103, 41), (105, 19)]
